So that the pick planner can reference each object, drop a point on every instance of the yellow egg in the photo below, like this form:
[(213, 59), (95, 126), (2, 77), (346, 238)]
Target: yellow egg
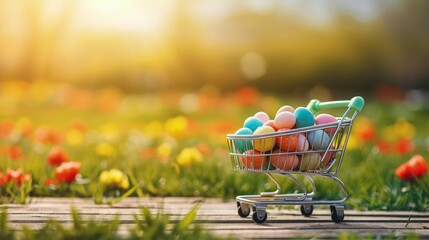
[(266, 143)]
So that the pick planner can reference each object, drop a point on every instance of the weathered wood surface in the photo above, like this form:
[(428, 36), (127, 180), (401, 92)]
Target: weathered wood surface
[(221, 218)]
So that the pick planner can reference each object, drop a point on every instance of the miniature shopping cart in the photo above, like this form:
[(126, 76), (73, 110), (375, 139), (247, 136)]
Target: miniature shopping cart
[(318, 159)]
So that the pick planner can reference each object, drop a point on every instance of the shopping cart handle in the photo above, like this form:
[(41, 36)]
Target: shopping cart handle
[(357, 103)]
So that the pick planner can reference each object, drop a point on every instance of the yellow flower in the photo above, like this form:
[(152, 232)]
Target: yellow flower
[(104, 178), (353, 142), (400, 129), (177, 126), (404, 129), (109, 131), (114, 177), (23, 126), (125, 184), (74, 137), (105, 150), (189, 156), (164, 150), (154, 129)]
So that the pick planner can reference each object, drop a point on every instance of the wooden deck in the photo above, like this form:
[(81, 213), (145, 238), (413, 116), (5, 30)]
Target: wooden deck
[(221, 218)]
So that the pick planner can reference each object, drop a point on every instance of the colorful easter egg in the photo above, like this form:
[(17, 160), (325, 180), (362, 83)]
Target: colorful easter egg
[(302, 143), (253, 159), (252, 123), (287, 142), (318, 140), (264, 144), (284, 120), (285, 108), (270, 123), (304, 118), (242, 145), (283, 160), (309, 162), (329, 156), (262, 116), (325, 119)]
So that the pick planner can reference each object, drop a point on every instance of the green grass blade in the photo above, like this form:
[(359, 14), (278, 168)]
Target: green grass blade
[(125, 195), (189, 218)]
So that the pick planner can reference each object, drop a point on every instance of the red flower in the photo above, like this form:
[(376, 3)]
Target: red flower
[(17, 176), (414, 168), (367, 133), (15, 152), (67, 172), (57, 155), (2, 179), (48, 135), (384, 147), (247, 96), (79, 125), (50, 181), (404, 146), (6, 128)]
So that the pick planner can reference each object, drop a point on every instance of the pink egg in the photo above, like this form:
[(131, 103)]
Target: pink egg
[(284, 160), (284, 120), (286, 108), (262, 116), (324, 119), (302, 143), (270, 123)]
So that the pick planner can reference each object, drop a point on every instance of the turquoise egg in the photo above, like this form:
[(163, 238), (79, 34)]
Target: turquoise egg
[(318, 140), (304, 118), (242, 145), (252, 123)]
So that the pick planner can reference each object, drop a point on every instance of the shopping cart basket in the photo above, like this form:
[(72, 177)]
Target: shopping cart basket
[(310, 161)]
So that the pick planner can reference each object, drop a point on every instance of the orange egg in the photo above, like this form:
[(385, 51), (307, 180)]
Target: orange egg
[(288, 142), (252, 159)]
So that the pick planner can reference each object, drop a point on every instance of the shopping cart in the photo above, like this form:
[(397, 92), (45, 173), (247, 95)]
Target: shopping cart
[(320, 154)]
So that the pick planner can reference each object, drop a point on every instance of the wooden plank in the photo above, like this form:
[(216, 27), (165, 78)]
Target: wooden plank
[(221, 217)]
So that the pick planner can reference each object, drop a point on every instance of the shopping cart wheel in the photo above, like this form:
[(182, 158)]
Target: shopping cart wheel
[(243, 210), (259, 217), (337, 213), (307, 210)]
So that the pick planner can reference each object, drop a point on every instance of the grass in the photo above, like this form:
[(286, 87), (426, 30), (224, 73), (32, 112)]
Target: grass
[(143, 138)]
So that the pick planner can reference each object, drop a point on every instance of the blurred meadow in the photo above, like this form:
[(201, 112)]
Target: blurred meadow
[(109, 99)]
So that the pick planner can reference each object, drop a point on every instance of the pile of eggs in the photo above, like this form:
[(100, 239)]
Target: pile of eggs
[(289, 151)]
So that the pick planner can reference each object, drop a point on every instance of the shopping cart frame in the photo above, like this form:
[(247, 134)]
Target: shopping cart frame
[(327, 169)]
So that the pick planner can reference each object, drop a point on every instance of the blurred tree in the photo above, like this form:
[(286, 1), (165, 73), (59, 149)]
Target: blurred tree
[(406, 26), (41, 35), (192, 51)]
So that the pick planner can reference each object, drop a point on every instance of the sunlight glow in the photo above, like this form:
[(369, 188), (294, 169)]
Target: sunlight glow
[(253, 65), (134, 16)]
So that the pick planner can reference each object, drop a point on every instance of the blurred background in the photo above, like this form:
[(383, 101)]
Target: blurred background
[(153, 87), (273, 45)]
